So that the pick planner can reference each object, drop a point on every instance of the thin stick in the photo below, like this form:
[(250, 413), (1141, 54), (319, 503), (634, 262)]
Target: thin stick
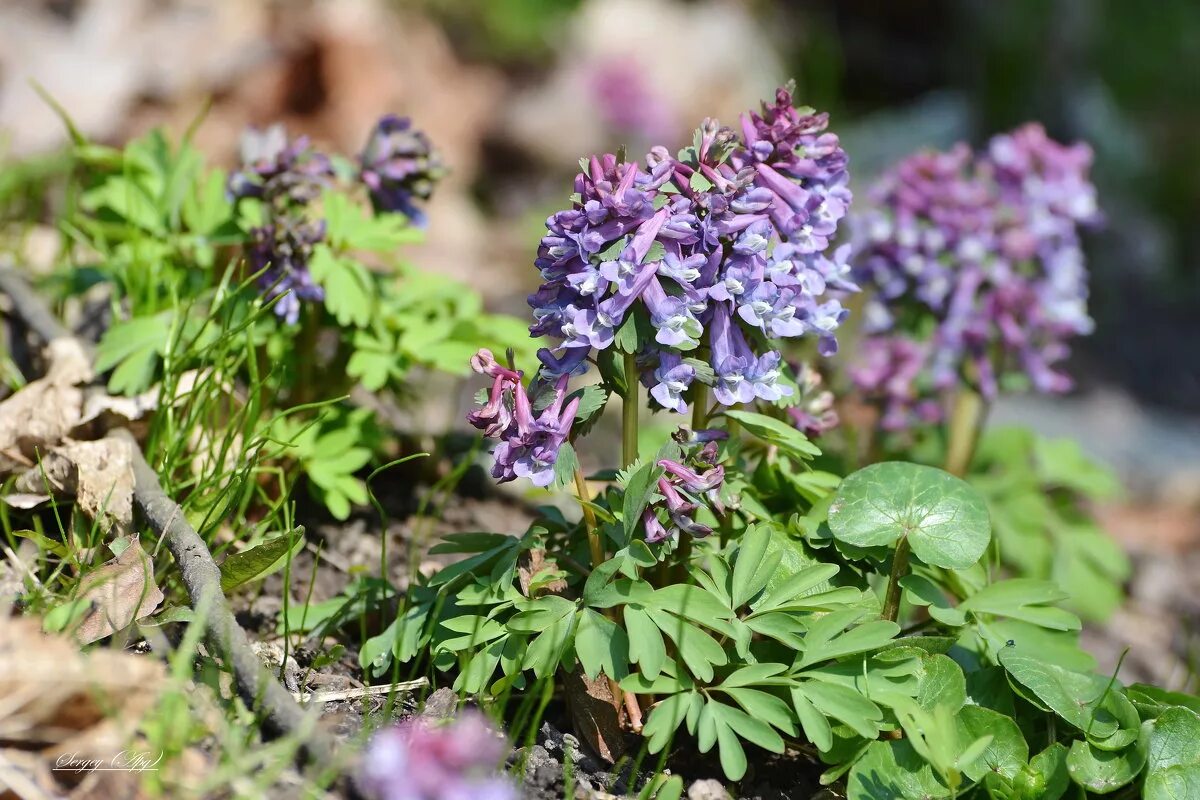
[(257, 687), (362, 691)]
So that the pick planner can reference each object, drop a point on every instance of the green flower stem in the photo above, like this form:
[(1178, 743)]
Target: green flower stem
[(891, 600), (966, 423), (589, 520), (629, 413)]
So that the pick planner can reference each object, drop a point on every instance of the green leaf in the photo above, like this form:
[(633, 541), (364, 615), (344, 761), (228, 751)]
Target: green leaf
[(664, 719), (763, 706), (349, 290), (1071, 695), (942, 684), (816, 728), (1104, 771), (261, 560), (1050, 770), (698, 650), (693, 602), (785, 592), (920, 591), (841, 703), (944, 519), (1026, 599), (638, 490), (646, 646), (752, 567), (828, 638), (133, 347), (893, 771), (788, 438), (565, 464), (1007, 751), (601, 645), (1173, 756)]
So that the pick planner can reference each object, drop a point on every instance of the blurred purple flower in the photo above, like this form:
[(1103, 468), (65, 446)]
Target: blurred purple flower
[(280, 251), (814, 412), (985, 252), (417, 760), (399, 167), (278, 171), (627, 103)]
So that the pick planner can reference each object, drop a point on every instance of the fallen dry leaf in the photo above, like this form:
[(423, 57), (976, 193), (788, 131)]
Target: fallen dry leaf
[(56, 701), (98, 474), (45, 410), (119, 592)]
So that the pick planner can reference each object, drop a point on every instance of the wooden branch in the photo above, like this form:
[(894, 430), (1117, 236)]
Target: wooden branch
[(257, 687)]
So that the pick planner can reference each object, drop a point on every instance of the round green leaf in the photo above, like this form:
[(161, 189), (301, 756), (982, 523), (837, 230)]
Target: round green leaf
[(893, 771), (1072, 695), (1007, 752), (1173, 769), (944, 519), (1104, 771)]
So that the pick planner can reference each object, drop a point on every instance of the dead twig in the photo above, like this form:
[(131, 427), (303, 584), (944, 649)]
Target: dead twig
[(361, 692), (257, 687)]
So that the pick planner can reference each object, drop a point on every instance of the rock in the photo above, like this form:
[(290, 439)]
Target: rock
[(708, 789), (440, 705)]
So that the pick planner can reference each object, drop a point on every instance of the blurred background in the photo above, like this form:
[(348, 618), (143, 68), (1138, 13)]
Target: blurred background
[(515, 91)]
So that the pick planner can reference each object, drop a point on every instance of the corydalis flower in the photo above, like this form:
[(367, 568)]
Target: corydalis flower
[(988, 247), (286, 177), (720, 246), (684, 490), (417, 760), (528, 444), (279, 171), (400, 167), (279, 251)]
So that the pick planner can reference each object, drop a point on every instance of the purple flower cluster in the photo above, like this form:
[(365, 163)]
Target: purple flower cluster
[(683, 489), (529, 444), (286, 177), (399, 167), (417, 761), (985, 250), (721, 249)]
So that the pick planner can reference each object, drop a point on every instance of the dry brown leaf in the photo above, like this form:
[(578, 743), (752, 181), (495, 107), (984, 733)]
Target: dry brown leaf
[(119, 592), (595, 713), (45, 410), (56, 701), (98, 474)]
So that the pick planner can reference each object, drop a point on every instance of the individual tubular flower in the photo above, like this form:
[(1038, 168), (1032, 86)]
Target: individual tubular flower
[(399, 167), (984, 251), (417, 760), (717, 248), (528, 445), (684, 490)]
